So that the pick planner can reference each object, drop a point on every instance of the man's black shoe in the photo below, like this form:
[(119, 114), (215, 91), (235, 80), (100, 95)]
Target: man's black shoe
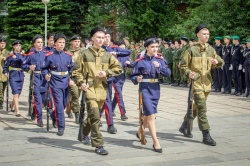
[(207, 139), (60, 132), (111, 129), (183, 130), (77, 117), (101, 151), (124, 117), (223, 92), (100, 124), (228, 92), (113, 113), (40, 124), (86, 140), (238, 94)]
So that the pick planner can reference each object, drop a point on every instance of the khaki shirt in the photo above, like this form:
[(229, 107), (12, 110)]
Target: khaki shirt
[(93, 61), (3, 53), (75, 55), (198, 59)]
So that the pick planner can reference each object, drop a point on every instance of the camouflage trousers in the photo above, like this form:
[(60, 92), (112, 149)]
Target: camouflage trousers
[(2, 89), (176, 71), (74, 98), (183, 76), (92, 122), (200, 110), (171, 78)]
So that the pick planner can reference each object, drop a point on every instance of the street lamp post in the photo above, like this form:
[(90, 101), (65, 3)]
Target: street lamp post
[(45, 3)]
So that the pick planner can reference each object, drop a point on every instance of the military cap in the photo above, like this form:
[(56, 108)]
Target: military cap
[(192, 39), (16, 42), (36, 37), (137, 44), (248, 40), (184, 38), (243, 42), (227, 37), (141, 41), (126, 38), (58, 36), (150, 41), (159, 39), (132, 43), (3, 40), (210, 43), (97, 29), (217, 38), (75, 37), (49, 35), (235, 37), (200, 27)]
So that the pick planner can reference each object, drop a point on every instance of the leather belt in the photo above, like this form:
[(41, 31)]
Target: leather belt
[(59, 73), (151, 80)]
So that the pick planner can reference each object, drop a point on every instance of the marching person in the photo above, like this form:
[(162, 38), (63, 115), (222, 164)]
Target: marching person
[(3, 79), (16, 76), (34, 62), (75, 90), (50, 42), (58, 65), (146, 71), (197, 63), (100, 65)]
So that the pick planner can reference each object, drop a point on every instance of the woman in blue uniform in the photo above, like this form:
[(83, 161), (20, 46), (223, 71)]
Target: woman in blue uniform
[(147, 69), (16, 76)]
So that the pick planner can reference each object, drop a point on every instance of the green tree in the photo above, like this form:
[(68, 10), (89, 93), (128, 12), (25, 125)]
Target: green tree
[(26, 18)]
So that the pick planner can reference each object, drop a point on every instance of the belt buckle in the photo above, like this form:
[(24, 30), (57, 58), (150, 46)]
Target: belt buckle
[(152, 80), (18, 69), (63, 73)]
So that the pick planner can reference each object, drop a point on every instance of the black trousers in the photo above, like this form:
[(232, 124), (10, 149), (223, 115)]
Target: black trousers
[(227, 78), (237, 78), (217, 78)]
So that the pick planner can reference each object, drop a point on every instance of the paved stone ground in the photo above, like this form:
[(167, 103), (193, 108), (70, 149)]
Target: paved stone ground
[(22, 143)]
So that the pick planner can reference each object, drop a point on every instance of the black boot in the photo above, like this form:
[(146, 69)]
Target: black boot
[(183, 130), (207, 139)]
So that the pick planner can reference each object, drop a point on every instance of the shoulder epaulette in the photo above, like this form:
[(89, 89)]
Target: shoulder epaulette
[(69, 53), (11, 54), (30, 53), (114, 46), (158, 56), (140, 58), (49, 53)]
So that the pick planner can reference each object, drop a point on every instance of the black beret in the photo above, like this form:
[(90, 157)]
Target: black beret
[(97, 29), (151, 41), (58, 36), (49, 35), (184, 38), (16, 42), (192, 39), (75, 37), (36, 37), (200, 27), (3, 40)]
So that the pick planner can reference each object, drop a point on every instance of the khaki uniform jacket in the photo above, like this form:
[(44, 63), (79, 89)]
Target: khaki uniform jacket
[(75, 55), (3, 53), (198, 59), (93, 61)]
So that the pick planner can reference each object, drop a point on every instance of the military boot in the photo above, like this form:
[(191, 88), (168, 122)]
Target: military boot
[(77, 117), (207, 139), (111, 129), (183, 130)]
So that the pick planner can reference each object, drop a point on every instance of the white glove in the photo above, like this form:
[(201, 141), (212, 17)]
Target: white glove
[(231, 67), (221, 68), (240, 67), (243, 70)]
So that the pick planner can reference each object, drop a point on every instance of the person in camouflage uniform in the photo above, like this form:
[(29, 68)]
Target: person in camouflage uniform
[(185, 46), (100, 65), (74, 90), (3, 79), (197, 63), (176, 61)]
